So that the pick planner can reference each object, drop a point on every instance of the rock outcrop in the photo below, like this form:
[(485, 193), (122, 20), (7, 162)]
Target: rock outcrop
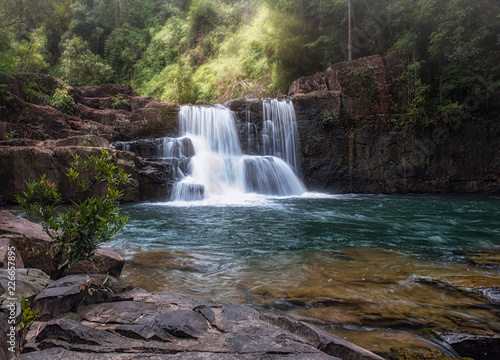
[(24, 160), (38, 139), (114, 112), (131, 322), (352, 139)]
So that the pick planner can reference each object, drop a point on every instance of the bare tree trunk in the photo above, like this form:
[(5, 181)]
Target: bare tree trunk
[(349, 20), (119, 13)]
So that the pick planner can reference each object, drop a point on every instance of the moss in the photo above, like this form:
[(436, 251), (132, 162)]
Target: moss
[(419, 353), (361, 85)]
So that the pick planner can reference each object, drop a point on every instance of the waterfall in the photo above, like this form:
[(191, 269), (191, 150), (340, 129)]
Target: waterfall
[(279, 135), (218, 167)]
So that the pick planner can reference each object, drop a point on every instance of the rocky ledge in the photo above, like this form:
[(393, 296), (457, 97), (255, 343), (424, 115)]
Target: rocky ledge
[(120, 322)]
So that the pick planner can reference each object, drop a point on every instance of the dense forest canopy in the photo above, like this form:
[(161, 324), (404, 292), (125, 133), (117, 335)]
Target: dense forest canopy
[(202, 51)]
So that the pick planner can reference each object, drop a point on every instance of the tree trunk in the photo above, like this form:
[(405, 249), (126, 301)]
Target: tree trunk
[(349, 21)]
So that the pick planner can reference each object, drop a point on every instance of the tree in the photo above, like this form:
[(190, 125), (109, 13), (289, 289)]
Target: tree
[(80, 67), (89, 221)]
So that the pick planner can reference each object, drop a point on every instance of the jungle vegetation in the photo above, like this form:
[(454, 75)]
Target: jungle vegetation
[(205, 51)]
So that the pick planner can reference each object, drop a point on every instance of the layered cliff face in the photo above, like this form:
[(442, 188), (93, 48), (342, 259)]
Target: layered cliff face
[(351, 137), (36, 138), (352, 140)]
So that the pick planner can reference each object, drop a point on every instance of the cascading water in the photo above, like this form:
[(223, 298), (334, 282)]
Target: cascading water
[(218, 167), (280, 137)]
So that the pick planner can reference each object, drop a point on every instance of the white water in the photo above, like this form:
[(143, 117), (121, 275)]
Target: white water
[(280, 137), (219, 170)]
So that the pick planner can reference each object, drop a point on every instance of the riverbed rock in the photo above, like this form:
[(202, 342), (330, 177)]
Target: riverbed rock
[(420, 353), (321, 339), (474, 343), (487, 286), (134, 322)]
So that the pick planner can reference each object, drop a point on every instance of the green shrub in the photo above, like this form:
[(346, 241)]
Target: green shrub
[(90, 220), (63, 101), (120, 101)]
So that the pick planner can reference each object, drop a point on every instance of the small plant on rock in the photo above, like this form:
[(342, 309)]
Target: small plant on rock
[(92, 219), (11, 134), (119, 101), (63, 101), (28, 315)]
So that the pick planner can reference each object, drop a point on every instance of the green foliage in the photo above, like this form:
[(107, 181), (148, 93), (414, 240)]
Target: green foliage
[(120, 101), (327, 117), (361, 85), (203, 51), (35, 93), (28, 315), (79, 66), (89, 221), (63, 101), (124, 48), (11, 134), (5, 98)]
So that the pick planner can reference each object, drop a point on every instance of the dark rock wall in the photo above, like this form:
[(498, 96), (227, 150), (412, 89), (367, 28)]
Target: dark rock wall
[(351, 141)]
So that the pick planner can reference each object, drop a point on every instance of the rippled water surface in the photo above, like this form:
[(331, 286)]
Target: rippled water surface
[(362, 266)]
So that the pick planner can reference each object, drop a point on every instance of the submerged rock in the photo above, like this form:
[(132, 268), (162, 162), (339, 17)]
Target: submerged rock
[(474, 343)]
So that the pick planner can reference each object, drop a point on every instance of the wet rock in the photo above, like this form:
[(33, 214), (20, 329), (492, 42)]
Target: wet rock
[(420, 353), (73, 332), (66, 294), (123, 312), (183, 323), (324, 341), (9, 257), (474, 343), (486, 286), (489, 258), (230, 315), (104, 261)]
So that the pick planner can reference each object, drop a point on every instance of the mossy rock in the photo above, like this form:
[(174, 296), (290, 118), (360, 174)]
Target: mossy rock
[(420, 353)]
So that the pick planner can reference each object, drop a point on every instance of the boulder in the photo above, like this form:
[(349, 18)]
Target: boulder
[(33, 249), (4, 338), (32, 244), (104, 261), (28, 283)]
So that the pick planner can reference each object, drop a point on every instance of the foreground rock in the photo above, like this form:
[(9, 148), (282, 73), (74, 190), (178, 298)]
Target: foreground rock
[(33, 249), (127, 323)]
